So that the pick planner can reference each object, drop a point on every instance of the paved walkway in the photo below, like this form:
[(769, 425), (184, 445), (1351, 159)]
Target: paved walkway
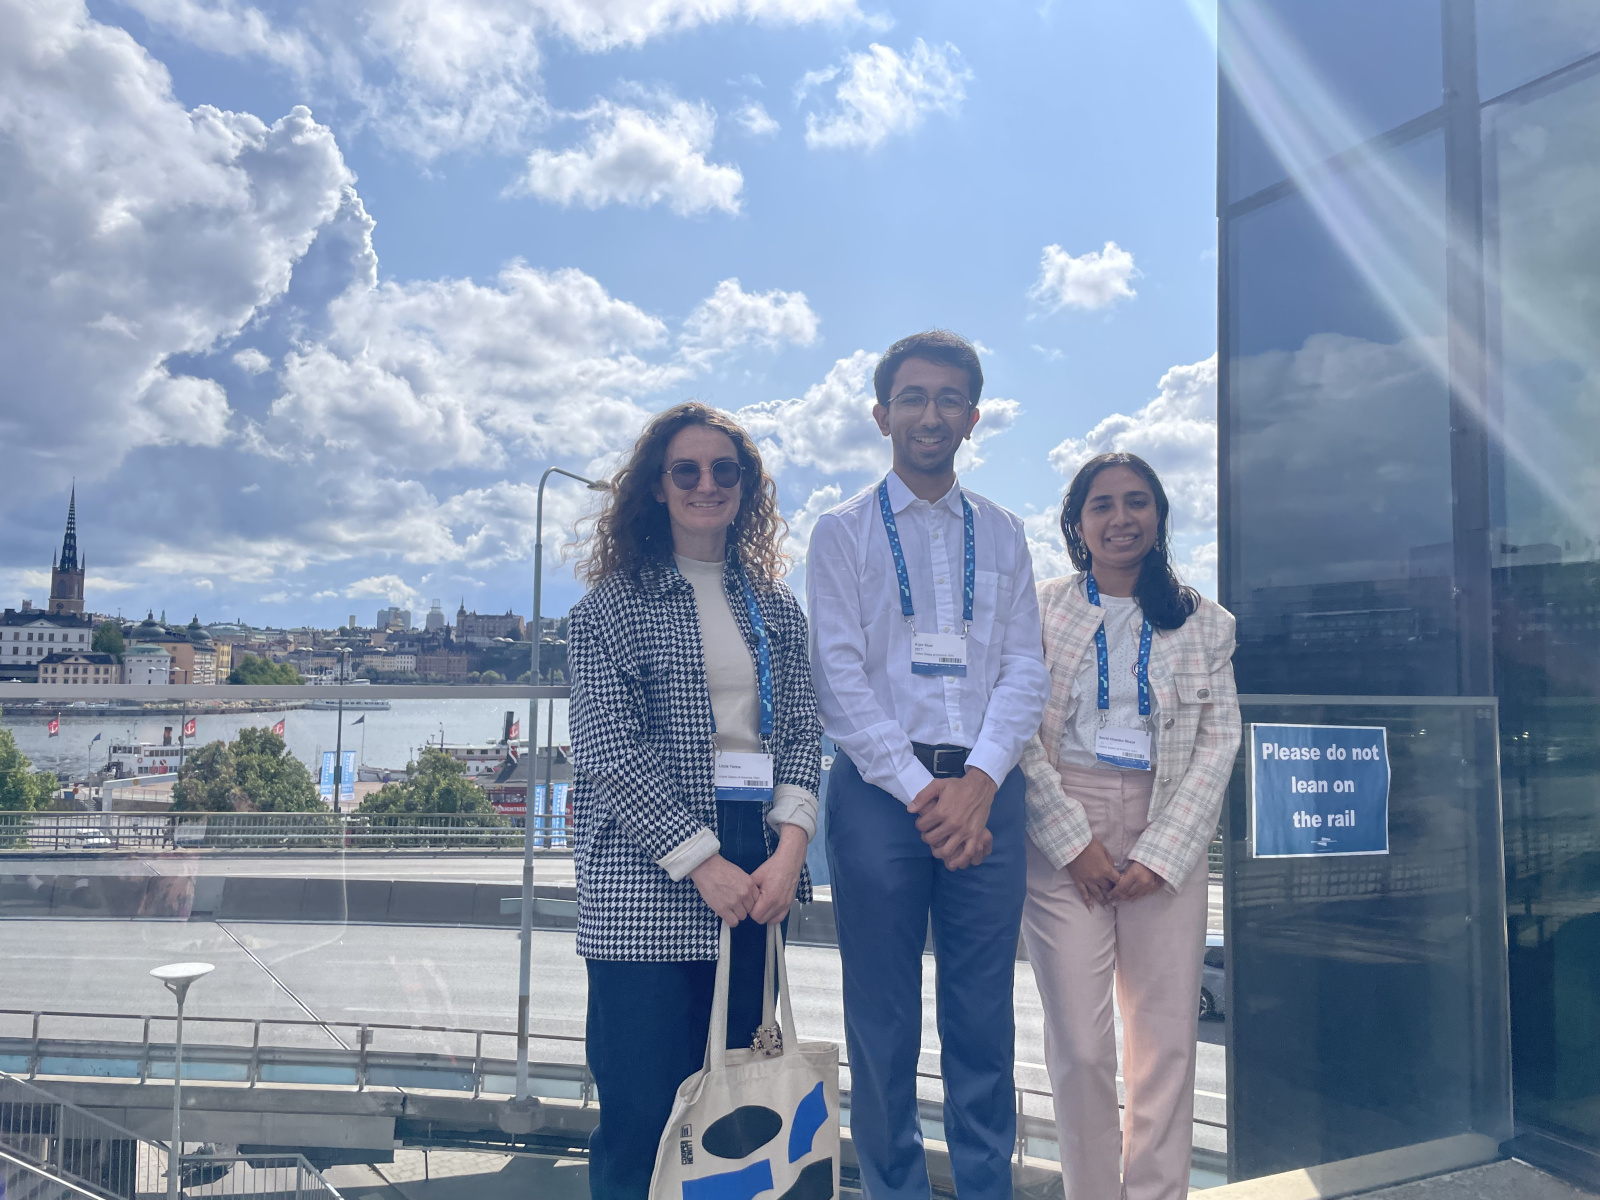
[(1498, 1181)]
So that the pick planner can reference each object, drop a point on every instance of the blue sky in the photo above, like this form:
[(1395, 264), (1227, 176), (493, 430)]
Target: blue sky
[(306, 363)]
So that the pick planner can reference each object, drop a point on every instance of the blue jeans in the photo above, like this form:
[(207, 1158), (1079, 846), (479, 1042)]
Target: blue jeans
[(647, 1029), (886, 887)]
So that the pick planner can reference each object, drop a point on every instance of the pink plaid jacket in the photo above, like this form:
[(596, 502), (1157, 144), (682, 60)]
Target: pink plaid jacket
[(1191, 676)]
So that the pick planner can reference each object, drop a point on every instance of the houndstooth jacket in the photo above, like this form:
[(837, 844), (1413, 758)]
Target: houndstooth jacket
[(642, 753), (1191, 675)]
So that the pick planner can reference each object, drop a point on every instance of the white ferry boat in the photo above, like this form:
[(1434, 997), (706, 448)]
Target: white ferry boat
[(146, 758)]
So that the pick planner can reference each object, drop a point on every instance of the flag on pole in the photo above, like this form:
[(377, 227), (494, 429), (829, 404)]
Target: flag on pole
[(94, 739), (188, 727), (278, 728), (361, 720), (54, 727)]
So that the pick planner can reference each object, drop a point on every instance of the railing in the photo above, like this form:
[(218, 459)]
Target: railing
[(75, 1145), (259, 831), (357, 1062)]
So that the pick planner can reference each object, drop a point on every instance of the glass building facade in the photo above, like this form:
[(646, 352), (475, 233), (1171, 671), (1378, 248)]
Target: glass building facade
[(1409, 429)]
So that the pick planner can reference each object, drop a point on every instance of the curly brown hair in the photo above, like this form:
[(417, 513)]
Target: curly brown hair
[(633, 531)]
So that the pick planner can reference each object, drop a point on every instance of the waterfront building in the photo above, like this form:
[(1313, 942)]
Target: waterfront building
[(76, 668), (486, 627), (28, 635), (146, 664), (1409, 401)]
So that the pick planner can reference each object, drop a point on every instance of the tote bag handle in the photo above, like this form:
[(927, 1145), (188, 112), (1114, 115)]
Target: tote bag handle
[(717, 1038)]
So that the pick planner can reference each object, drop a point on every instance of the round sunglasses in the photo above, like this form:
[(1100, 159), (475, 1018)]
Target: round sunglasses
[(725, 473)]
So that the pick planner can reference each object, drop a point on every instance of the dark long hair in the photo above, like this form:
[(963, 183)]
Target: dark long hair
[(1166, 601), (633, 530)]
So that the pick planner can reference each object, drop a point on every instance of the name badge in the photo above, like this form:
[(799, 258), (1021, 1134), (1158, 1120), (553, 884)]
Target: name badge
[(742, 776), (1123, 747), (938, 654)]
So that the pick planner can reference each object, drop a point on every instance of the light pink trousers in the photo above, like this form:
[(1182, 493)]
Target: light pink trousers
[(1151, 949)]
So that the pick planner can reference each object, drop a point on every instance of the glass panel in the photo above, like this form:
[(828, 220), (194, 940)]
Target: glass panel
[(1339, 451), (1304, 80), (1519, 42), (1366, 993), (1543, 158)]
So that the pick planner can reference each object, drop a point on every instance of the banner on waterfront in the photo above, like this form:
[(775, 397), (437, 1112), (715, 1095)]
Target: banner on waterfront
[(347, 780)]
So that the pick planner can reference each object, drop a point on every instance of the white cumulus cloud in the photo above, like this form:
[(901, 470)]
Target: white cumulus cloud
[(133, 230), (882, 93), (731, 317), (383, 587), (638, 157), (1092, 280), (252, 361), (430, 78), (755, 119)]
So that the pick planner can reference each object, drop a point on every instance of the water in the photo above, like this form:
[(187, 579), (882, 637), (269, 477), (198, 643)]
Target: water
[(384, 738)]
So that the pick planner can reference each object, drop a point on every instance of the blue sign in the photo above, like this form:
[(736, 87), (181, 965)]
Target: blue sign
[(347, 779), (1319, 789)]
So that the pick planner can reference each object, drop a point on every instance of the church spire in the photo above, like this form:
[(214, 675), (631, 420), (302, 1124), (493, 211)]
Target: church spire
[(69, 544)]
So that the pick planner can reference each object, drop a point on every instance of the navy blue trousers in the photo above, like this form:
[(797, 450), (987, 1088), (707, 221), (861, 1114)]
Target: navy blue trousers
[(886, 886), (647, 1029)]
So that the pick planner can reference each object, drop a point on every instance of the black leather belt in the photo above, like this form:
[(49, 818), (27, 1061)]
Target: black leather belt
[(943, 762)]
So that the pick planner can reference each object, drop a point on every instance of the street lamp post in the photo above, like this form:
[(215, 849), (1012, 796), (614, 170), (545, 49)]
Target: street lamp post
[(525, 965), (338, 740), (176, 978)]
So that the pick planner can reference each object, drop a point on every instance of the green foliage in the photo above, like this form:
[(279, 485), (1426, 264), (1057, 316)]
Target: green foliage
[(108, 639), (491, 677), (436, 783), (254, 773), (250, 668), (21, 787)]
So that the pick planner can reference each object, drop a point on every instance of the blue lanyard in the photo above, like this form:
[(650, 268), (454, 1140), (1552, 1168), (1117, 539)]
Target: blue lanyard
[(763, 654), (968, 551), (1141, 671)]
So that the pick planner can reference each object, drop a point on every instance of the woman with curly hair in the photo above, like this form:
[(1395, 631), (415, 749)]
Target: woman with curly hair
[(695, 743)]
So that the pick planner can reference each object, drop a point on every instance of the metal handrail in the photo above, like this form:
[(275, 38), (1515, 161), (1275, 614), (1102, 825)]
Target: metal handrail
[(92, 1152), (256, 831)]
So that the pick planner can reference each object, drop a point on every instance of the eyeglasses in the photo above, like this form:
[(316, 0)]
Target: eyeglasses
[(725, 473), (949, 404)]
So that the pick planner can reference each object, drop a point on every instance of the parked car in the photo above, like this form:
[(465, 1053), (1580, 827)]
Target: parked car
[(1212, 979), (93, 839)]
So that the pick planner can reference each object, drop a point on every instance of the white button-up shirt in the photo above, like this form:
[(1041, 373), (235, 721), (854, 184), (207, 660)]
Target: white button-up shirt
[(872, 706)]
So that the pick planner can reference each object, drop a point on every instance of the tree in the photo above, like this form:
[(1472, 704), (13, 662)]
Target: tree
[(108, 639), (491, 677), (435, 783), (252, 669), (21, 787), (254, 773)]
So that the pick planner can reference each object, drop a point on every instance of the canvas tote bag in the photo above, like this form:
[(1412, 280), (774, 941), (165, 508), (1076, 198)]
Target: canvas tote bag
[(757, 1124)]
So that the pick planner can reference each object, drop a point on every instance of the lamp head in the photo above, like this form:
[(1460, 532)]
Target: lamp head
[(178, 976)]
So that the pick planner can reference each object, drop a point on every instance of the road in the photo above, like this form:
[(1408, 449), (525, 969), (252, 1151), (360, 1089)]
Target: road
[(547, 870), (412, 975)]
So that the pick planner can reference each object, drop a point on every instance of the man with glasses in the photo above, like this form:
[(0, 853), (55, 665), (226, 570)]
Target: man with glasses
[(930, 677)]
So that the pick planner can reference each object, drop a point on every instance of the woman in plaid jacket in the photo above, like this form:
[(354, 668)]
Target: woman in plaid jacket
[(695, 741), (1125, 782)]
